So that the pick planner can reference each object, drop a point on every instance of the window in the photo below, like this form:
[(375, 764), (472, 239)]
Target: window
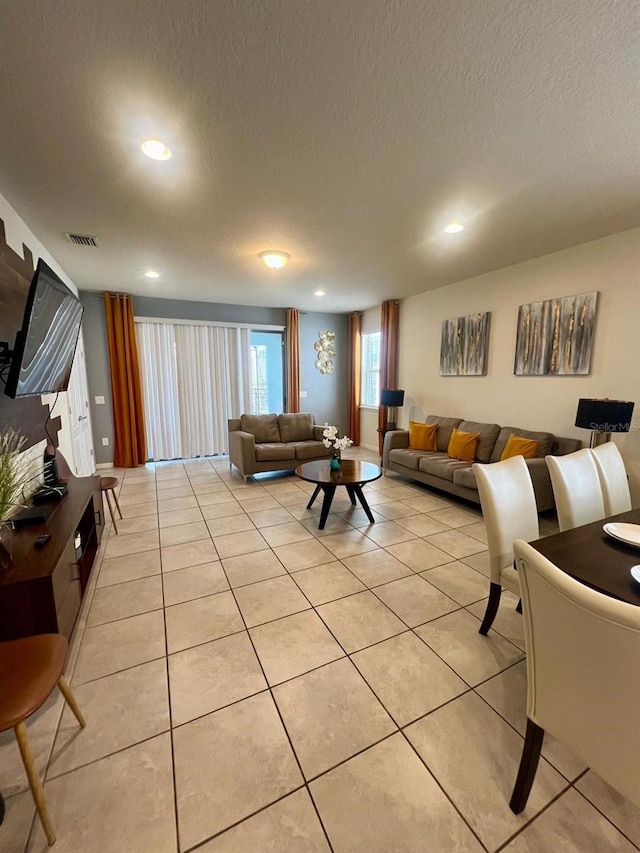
[(267, 372), (370, 376)]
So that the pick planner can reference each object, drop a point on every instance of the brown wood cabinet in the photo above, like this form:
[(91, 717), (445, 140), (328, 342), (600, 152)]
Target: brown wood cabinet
[(42, 590)]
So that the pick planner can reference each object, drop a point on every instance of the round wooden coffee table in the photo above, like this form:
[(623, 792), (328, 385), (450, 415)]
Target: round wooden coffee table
[(352, 474)]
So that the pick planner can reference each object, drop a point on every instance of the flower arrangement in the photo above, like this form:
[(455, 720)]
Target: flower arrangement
[(331, 439)]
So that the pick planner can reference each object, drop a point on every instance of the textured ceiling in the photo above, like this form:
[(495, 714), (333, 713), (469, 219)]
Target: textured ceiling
[(346, 132)]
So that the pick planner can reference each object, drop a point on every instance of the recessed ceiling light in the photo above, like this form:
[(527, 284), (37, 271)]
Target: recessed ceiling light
[(274, 258), (319, 293), (454, 227), (155, 149), (152, 274)]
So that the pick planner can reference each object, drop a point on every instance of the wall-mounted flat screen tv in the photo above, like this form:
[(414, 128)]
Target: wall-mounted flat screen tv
[(46, 344)]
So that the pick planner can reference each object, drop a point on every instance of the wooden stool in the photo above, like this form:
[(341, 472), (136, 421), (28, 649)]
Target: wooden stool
[(108, 485), (29, 670)]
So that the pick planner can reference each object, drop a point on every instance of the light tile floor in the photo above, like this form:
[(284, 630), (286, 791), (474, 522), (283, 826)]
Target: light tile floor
[(253, 683)]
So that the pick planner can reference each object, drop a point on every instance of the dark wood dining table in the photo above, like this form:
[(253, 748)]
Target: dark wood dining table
[(589, 555)]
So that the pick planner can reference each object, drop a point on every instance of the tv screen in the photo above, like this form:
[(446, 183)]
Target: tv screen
[(45, 346)]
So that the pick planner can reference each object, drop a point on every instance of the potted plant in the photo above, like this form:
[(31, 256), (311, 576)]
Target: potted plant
[(14, 476)]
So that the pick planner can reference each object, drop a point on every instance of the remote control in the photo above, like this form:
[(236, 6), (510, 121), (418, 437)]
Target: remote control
[(41, 541)]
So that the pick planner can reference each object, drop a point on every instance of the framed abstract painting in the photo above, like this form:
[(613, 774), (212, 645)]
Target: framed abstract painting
[(555, 337), (465, 345)]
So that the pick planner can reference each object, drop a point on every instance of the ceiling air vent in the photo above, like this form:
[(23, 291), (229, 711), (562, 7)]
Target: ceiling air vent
[(83, 240)]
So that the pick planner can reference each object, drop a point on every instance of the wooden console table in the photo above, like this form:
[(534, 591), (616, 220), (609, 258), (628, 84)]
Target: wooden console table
[(42, 590)]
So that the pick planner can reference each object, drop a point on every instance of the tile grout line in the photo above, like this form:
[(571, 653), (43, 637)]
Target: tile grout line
[(347, 654)]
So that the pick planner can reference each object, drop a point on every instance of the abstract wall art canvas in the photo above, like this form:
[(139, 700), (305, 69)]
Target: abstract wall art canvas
[(555, 337), (465, 345)]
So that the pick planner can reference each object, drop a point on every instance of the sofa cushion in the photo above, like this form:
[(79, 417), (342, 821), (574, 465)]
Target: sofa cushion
[(422, 436), (409, 458), (516, 446), (264, 428), (296, 427), (545, 441), (440, 465), (309, 449), (488, 435), (465, 477), (463, 445), (274, 452), (445, 428)]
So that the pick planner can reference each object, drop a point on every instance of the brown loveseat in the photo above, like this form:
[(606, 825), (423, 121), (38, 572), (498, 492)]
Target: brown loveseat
[(260, 443), (435, 468)]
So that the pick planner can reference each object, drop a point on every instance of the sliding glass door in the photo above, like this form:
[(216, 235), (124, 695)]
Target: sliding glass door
[(267, 372), (197, 376)]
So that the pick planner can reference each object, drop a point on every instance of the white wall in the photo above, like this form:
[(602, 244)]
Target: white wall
[(610, 266), (17, 232)]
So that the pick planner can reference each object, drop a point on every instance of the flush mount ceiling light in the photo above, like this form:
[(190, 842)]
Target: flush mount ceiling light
[(274, 258), (319, 293), (454, 228), (155, 149), (152, 274)]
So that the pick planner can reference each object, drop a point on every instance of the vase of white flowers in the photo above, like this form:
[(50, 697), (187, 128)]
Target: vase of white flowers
[(13, 477), (337, 445)]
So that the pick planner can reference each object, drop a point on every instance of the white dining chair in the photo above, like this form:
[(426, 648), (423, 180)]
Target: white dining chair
[(613, 478), (583, 678), (576, 488), (510, 512)]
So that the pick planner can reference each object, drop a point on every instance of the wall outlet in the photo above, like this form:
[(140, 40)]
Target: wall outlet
[(303, 394), (99, 401), (105, 441)]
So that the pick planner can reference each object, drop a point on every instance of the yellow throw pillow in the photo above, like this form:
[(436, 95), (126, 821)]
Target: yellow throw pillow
[(422, 436), (462, 445), (517, 446)]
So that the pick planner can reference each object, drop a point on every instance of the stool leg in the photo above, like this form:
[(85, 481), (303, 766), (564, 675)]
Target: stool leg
[(34, 781), (113, 518), (71, 700), (115, 497)]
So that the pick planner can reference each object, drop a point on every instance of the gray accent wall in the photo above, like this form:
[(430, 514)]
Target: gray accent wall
[(326, 395), (96, 354), (214, 312)]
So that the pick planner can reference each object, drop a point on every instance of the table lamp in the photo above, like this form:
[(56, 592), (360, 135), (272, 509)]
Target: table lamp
[(392, 399), (603, 417)]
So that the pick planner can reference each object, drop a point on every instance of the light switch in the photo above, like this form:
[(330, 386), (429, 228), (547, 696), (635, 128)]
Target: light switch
[(303, 394), (105, 441), (99, 401)]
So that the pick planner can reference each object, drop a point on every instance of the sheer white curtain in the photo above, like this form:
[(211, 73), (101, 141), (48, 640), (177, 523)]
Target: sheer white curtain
[(194, 378)]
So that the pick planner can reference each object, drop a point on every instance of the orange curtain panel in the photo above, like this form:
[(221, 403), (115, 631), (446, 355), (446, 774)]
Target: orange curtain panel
[(293, 360), (353, 367), (389, 314), (126, 389)]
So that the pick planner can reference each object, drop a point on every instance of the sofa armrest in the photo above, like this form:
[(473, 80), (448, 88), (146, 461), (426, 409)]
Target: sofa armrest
[(541, 483), (396, 438), (242, 451), (317, 432)]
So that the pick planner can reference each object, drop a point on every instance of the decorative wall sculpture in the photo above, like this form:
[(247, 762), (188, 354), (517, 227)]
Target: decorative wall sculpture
[(555, 337), (325, 352), (465, 345)]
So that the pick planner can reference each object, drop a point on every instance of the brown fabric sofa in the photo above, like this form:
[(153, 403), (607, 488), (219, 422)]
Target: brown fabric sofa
[(436, 469), (259, 443)]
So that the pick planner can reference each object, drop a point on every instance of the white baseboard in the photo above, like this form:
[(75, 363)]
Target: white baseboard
[(104, 465)]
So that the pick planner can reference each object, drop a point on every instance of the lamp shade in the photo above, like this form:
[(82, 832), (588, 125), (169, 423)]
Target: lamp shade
[(390, 397), (604, 415)]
